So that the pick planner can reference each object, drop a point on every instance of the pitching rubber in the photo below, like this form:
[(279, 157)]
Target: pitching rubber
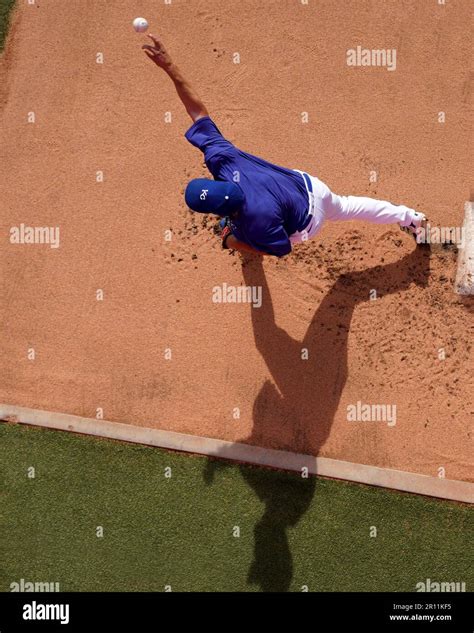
[(464, 284)]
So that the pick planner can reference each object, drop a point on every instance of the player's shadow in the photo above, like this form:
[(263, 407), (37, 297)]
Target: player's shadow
[(295, 410)]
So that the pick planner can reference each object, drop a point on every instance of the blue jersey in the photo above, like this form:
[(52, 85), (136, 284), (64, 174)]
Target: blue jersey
[(276, 199)]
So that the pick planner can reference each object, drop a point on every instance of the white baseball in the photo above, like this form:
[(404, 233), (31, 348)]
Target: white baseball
[(140, 25)]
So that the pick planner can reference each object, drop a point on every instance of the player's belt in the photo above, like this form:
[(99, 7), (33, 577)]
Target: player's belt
[(309, 189), (308, 182)]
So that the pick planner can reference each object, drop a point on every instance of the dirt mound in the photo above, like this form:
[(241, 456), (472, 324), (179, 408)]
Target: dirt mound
[(122, 320)]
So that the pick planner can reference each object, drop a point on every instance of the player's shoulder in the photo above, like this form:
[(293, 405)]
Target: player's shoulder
[(205, 135), (203, 124)]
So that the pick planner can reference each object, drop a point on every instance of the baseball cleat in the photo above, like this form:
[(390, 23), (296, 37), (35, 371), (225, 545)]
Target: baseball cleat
[(417, 226)]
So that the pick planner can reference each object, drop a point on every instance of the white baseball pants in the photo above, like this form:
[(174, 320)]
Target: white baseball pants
[(326, 205)]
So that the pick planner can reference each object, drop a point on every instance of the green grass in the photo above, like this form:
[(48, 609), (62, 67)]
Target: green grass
[(178, 531), (5, 8)]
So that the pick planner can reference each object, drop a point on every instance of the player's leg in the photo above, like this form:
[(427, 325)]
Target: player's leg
[(367, 209), (339, 208)]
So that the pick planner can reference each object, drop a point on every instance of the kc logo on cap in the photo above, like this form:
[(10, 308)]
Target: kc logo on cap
[(214, 196)]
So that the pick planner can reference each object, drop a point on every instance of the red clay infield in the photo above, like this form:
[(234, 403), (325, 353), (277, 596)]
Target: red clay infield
[(236, 372)]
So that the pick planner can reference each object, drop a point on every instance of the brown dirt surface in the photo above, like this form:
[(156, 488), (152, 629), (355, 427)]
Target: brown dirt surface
[(411, 346)]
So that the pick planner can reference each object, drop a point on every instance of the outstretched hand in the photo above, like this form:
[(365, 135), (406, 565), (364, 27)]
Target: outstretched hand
[(157, 53), (160, 56)]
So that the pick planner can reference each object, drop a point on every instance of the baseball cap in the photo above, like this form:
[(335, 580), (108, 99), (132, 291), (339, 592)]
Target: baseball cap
[(214, 196)]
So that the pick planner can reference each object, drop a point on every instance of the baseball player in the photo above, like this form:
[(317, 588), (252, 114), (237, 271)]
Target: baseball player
[(265, 208)]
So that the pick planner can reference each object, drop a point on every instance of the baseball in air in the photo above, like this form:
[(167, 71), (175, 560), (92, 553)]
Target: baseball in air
[(140, 25)]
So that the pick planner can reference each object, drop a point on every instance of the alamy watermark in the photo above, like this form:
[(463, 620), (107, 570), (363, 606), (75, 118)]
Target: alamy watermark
[(433, 586), (360, 412), (39, 611), (441, 235), (237, 294), (35, 235), (26, 586), (378, 57)]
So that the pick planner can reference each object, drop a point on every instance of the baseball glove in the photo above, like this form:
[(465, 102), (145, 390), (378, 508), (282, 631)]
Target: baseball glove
[(224, 229)]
